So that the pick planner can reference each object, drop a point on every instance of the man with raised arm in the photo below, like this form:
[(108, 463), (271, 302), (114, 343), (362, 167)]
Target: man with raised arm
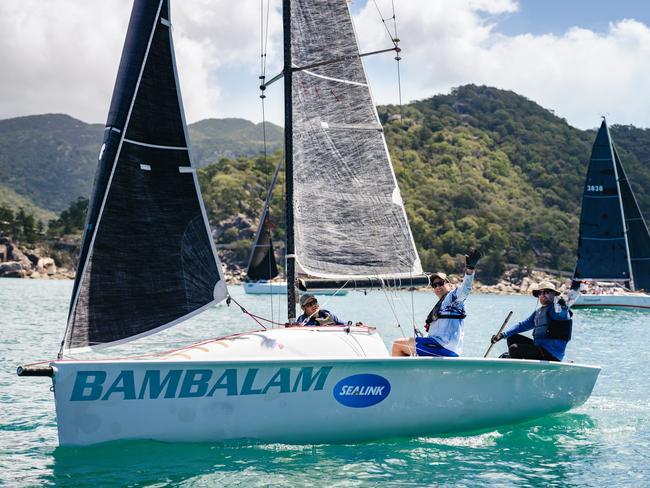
[(445, 323)]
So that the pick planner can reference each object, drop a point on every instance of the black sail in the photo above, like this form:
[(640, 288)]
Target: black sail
[(262, 264), (602, 253), (638, 238), (349, 217), (148, 260)]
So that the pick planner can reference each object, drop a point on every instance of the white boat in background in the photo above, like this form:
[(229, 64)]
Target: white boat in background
[(289, 384), (614, 300), (614, 243), (280, 288)]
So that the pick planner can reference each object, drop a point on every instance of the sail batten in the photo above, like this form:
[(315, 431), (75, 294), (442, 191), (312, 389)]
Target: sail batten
[(350, 221), (148, 261)]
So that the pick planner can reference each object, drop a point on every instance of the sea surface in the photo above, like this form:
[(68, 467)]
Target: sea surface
[(606, 442)]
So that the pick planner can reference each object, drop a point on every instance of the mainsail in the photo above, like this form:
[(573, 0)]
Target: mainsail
[(349, 218), (613, 242), (147, 260), (262, 264)]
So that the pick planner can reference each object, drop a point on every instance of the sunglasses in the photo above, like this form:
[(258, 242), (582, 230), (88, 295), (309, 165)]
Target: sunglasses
[(436, 284), (310, 303)]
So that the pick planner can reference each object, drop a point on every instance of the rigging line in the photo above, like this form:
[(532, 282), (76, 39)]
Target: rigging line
[(391, 306), (266, 36), (243, 310), (383, 20)]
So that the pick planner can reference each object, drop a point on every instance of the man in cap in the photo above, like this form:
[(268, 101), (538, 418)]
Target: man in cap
[(313, 315), (551, 324), (445, 323)]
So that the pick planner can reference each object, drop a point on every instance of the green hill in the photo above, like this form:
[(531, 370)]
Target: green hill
[(477, 167), (488, 167), (50, 160)]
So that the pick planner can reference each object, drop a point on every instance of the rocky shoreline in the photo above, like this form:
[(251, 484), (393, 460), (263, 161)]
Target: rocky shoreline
[(39, 263)]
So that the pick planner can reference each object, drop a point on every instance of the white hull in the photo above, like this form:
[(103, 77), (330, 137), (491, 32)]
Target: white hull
[(282, 398), (280, 288), (624, 301)]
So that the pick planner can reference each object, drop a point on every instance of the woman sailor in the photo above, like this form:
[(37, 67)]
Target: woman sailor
[(445, 323)]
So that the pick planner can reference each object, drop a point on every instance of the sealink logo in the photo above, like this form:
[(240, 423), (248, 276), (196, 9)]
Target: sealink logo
[(361, 390)]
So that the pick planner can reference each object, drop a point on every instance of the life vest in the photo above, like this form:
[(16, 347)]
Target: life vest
[(549, 328), (323, 317), (450, 312)]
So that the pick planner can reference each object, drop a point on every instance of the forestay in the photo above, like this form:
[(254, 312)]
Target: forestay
[(147, 260), (638, 238), (350, 220)]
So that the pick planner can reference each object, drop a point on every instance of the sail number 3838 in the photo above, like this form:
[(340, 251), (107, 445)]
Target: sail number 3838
[(594, 187)]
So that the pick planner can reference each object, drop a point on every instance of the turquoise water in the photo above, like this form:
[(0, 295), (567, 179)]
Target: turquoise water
[(606, 441)]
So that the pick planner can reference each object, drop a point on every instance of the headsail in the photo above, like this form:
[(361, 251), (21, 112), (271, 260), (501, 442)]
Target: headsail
[(602, 253), (350, 220), (148, 260), (262, 264), (638, 238)]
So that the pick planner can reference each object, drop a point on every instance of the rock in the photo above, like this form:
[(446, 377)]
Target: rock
[(46, 265), (35, 275), (12, 269)]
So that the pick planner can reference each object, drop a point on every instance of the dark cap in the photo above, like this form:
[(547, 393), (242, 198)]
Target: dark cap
[(306, 297)]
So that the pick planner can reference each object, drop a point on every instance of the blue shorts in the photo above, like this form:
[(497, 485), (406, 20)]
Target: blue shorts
[(426, 346)]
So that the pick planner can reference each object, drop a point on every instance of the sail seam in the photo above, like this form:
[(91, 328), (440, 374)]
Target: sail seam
[(603, 238), (338, 80), (156, 146)]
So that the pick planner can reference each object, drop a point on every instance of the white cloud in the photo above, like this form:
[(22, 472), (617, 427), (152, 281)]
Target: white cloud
[(579, 74), (65, 59)]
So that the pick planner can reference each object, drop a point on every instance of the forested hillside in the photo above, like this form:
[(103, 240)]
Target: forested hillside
[(47, 161), (478, 167)]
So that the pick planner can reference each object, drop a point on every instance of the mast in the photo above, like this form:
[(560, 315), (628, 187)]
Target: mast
[(288, 160), (620, 201)]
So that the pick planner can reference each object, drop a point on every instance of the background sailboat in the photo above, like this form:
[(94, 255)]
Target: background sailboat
[(614, 243), (289, 384), (262, 266)]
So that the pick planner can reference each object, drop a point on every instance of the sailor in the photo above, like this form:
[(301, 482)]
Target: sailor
[(313, 315), (445, 323), (551, 324)]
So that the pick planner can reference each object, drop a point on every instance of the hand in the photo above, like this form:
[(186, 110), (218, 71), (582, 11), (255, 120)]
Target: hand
[(472, 257), (426, 327), (496, 338)]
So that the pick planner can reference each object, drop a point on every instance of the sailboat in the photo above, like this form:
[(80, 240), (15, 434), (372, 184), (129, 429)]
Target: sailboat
[(614, 243), (262, 266), (292, 384)]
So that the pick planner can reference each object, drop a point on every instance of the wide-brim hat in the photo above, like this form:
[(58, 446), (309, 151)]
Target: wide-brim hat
[(545, 285), (440, 275)]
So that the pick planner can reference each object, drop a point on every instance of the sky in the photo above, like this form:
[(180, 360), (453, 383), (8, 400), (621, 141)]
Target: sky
[(580, 58)]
